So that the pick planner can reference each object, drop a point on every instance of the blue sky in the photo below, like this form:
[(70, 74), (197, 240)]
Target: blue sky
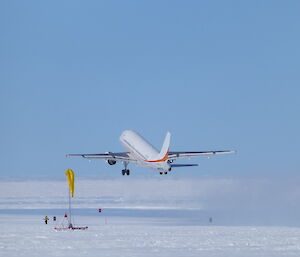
[(216, 74)]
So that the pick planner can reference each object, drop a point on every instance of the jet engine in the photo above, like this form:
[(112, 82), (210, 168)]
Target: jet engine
[(111, 162)]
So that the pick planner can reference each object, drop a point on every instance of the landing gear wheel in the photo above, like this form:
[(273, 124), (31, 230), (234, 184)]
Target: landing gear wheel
[(160, 173), (166, 172), (125, 171)]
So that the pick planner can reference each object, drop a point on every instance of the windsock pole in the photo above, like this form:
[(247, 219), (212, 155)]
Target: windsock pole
[(70, 211)]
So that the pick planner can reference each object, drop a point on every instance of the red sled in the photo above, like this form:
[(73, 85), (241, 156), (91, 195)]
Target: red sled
[(71, 228)]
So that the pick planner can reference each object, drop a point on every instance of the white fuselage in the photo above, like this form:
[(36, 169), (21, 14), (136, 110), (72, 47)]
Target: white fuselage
[(142, 151)]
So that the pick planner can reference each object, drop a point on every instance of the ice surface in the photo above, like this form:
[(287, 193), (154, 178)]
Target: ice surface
[(125, 235), (151, 218), (232, 201)]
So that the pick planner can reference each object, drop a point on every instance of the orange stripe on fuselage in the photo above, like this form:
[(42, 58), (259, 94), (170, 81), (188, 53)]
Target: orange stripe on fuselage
[(161, 160)]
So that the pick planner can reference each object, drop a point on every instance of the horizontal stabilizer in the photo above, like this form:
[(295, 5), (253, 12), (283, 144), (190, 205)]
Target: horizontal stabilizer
[(182, 165)]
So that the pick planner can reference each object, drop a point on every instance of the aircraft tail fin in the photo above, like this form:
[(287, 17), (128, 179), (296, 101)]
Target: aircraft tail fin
[(163, 155), (164, 152)]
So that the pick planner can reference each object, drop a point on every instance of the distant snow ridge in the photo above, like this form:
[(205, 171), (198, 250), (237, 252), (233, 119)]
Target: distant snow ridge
[(247, 195), (94, 193)]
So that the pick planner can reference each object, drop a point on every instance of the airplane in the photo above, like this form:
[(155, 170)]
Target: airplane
[(141, 152)]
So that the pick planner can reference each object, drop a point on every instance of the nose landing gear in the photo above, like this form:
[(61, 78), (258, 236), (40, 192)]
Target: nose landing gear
[(126, 171)]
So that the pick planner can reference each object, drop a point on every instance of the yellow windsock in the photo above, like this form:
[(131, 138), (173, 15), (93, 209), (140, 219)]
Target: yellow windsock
[(70, 178)]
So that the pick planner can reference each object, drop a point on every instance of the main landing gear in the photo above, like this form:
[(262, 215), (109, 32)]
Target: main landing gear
[(125, 171), (163, 173)]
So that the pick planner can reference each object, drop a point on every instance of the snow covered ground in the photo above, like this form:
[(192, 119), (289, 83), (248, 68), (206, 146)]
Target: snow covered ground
[(151, 218), (125, 235)]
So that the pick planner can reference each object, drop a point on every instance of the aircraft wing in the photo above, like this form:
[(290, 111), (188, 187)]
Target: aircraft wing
[(176, 155), (123, 156)]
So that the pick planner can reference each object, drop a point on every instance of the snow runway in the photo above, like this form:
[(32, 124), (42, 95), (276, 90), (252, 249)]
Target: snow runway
[(23, 233)]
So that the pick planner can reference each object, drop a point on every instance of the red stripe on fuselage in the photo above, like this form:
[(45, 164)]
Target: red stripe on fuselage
[(161, 160)]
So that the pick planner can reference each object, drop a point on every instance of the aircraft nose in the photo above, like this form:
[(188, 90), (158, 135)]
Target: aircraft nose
[(124, 133)]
